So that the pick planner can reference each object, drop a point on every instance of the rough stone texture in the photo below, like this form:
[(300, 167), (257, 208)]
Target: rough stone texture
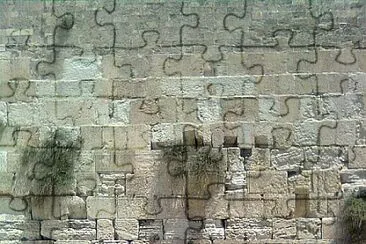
[(219, 122), (105, 230), (127, 229)]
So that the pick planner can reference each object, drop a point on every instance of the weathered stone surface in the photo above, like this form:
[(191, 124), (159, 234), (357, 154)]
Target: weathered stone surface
[(17, 227), (284, 229), (267, 182), (105, 230), (69, 229), (101, 207), (277, 88), (248, 229), (127, 229), (308, 228)]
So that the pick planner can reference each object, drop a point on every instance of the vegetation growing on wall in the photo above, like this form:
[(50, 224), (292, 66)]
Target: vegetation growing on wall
[(199, 161), (51, 166), (354, 219)]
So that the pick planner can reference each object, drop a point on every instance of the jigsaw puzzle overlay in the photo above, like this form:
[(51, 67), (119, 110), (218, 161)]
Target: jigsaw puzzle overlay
[(212, 122)]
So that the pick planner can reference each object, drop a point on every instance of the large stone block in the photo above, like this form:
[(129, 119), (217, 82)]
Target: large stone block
[(101, 207), (127, 229), (267, 182)]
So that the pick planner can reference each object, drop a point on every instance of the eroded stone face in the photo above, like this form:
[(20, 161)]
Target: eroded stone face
[(217, 122)]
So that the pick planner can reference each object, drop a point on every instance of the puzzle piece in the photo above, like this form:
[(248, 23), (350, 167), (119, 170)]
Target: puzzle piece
[(66, 22), (211, 27), (140, 38), (21, 24)]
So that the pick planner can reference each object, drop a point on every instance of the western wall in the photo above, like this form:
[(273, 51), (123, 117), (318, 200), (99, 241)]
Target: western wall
[(200, 122)]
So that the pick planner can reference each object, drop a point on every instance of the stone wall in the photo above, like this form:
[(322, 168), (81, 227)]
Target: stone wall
[(180, 122)]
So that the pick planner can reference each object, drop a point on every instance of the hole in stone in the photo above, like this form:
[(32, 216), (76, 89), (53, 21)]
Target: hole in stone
[(230, 141), (245, 152), (291, 173)]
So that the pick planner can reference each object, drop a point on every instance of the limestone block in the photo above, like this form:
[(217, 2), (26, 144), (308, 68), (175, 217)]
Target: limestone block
[(85, 164), (17, 227), (337, 132), (325, 157), (111, 185), (3, 113), (249, 206), (6, 183), (152, 111), (164, 134), (44, 88), (6, 136), (138, 137), (105, 230), (267, 182), (287, 159), (357, 157), (68, 229), (13, 205), (279, 205), (248, 229), (68, 88), (120, 113), (308, 107), (169, 87), (332, 229), (244, 109), (26, 114), (302, 180), (131, 208), (15, 69), (100, 207), (208, 229), (175, 229), (236, 181), (139, 87), (326, 181), (259, 160), (187, 110), (216, 207), (284, 228), (213, 229), (46, 207), (306, 133), (138, 208), (317, 205), (308, 228), (229, 85), (352, 175), (151, 230), (209, 111), (83, 112), (86, 183), (345, 106), (120, 137), (80, 69), (92, 136), (127, 229), (110, 161)]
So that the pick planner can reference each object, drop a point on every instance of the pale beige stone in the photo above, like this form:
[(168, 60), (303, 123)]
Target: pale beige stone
[(101, 207), (267, 182), (105, 230), (127, 229)]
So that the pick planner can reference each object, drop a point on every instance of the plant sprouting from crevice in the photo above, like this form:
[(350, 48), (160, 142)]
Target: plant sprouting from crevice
[(194, 161), (354, 218), (51, 166)]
